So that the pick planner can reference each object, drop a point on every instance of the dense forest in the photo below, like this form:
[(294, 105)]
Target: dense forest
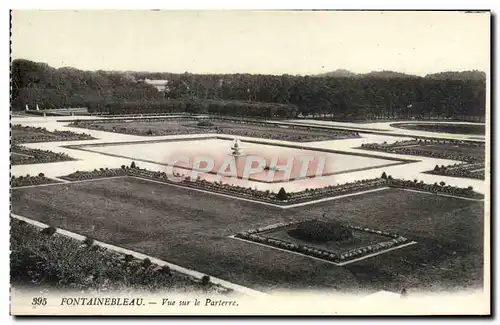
[(345, 95)]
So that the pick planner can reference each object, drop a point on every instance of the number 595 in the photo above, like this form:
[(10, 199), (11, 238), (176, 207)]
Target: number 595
[(39, 301)]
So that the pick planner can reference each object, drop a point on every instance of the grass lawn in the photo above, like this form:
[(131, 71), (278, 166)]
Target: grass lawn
[(191, 229), (167, 127)]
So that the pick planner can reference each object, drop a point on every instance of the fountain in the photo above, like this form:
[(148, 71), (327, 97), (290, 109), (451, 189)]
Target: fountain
[(236, 148)]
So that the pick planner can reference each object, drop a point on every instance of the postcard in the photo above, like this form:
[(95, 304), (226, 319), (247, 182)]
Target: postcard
[(245, 162)]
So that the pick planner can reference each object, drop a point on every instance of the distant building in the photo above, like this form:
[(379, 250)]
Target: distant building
[(161, 85)]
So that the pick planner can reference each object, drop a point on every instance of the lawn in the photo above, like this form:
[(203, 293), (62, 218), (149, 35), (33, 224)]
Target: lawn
[(192, 229), (170, 127)]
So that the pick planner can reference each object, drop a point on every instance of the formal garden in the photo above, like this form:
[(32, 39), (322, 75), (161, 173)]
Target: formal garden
[(21, 155), (454, 128), (48, 260), (330, 240), (467, 151), (280, 198), (29, 180), (161, 220), (473, 170), (29, 134), (229, 126), (471, 153)]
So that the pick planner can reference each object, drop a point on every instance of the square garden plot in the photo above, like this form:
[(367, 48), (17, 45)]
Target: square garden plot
[(330, 241), (192, 229)]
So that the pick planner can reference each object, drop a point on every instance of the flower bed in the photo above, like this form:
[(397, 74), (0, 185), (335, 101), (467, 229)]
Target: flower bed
[(30, 180), (474, 170), (52, 261), (335, 257), (96, 174), (209, 126), (28, 134), (26, 156), (447, 127), (441, 188), (411, 147)]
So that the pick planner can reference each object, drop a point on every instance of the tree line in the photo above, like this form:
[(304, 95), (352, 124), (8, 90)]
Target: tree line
[(382, 95)]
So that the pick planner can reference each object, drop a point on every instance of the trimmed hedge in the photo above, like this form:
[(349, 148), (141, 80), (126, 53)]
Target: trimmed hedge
[(320, 231), (235, 190), (441, 188), (473, 170)]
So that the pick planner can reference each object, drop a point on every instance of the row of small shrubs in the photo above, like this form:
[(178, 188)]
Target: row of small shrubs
[(46, 258), (144, 132), (429, 141), (460, 170), (30, 180), (21, 155), (440, 188), (445, 128), (283, 136), (134, 170), (159, 114), (223, 130), (219, 186), (96, 173), (209, 122), (282, 197), (333, 131), (336, 190), (86, 123), (407, 148), (374, 231), (29, 134), (370, 249), (326, 255)]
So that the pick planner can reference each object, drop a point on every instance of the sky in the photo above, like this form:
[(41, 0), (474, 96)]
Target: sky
[(266, 42)]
